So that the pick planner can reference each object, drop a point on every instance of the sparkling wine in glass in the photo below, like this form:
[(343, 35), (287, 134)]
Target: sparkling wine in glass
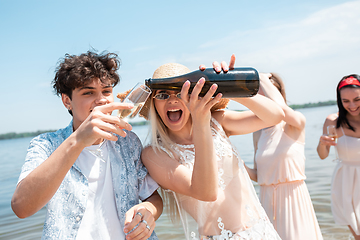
[(137, 96), (331, 132)]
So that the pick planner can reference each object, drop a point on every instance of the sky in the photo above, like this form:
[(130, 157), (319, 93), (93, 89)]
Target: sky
[(310, 44)]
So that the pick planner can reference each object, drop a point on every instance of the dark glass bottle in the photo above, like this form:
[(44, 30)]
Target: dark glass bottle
[(237, 82)]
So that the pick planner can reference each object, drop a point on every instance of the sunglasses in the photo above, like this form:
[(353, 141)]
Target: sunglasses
[(164, 96)]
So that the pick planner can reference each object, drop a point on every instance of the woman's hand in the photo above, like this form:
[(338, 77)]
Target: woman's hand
[(199, 107), (328, 141), (223, 66), (325, 141)]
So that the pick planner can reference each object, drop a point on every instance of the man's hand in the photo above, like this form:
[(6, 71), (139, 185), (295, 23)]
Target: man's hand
[(100, 124), (141, 217)]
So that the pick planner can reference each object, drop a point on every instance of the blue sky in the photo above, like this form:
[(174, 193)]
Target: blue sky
[(311, 44)]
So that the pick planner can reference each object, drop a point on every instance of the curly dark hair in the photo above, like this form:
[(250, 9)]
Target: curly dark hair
[(342, 120), (76, 71)]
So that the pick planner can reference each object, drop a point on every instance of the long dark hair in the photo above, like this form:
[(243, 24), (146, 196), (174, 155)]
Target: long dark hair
[(342, 120)]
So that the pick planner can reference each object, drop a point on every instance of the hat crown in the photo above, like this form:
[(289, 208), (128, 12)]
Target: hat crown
[(170, 70)]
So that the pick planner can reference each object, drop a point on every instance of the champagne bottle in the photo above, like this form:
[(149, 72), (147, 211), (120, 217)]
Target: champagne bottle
[(237, 82)]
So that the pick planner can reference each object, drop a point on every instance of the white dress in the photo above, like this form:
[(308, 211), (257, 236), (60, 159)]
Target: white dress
[(284, 195), (237, 212), (345, 186)]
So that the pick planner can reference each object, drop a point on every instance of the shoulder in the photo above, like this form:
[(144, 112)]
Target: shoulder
[(50, 139), (41, 147), (150, 152), (161, 157), (331, 119)]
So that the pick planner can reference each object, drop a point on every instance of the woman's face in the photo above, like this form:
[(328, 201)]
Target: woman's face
[(172, 110), (350, 98)]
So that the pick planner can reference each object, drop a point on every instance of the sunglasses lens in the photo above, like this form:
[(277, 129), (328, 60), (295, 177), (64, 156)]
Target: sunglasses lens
[(162, 96)]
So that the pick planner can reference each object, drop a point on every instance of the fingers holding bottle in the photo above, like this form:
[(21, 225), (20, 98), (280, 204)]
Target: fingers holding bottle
[(198, 106), (223, 66)]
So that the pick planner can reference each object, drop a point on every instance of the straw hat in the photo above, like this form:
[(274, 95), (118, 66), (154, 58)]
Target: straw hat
[(165, 71)]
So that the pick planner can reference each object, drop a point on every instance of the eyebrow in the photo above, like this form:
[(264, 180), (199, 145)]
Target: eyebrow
[(91, 88)]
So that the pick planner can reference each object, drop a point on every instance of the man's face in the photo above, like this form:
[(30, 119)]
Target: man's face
[(86, 98)]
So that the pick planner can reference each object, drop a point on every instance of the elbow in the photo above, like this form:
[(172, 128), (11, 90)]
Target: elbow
[(19, 215), (254, 178), (281, 116), (19, 210), (16, 209), (278, 118), (209, 196), (212, 198)]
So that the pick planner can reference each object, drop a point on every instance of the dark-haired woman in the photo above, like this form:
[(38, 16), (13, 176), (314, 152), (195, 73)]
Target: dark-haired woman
[(345, 187)]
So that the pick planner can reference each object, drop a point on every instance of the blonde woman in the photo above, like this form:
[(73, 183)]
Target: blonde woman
[(191, 157)]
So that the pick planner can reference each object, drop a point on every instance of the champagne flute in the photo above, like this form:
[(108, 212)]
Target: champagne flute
[(137, 96), (331, 132)]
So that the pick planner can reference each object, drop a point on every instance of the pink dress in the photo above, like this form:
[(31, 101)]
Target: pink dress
[(345, 187), (283, 193)]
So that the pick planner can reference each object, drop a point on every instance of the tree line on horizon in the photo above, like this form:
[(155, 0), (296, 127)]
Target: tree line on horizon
[(13, 135), (309, 105)]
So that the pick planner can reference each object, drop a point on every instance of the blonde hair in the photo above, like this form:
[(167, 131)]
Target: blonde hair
[(160, 141)]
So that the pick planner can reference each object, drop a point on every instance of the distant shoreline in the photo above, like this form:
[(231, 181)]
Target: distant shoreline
[(14, 135), (310, 105)]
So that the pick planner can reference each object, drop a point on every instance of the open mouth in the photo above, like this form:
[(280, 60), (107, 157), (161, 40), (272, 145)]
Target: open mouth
[(174, 114)]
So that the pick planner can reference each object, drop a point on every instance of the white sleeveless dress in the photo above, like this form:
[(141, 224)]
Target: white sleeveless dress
[(283, 193), (237, 212), (345, 186)]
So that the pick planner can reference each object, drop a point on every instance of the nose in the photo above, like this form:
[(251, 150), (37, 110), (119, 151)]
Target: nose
[(352, 104), (173, 97), (101, 99)]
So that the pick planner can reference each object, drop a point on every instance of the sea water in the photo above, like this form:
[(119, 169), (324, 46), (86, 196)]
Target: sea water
[(318, 172)]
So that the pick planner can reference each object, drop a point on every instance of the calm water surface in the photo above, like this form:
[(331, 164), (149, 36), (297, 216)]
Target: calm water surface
[(318, 172)]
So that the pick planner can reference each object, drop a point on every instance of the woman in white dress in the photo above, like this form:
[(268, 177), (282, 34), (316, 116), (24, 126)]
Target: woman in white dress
[(279, 169), (192, 159), (345, 186)]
